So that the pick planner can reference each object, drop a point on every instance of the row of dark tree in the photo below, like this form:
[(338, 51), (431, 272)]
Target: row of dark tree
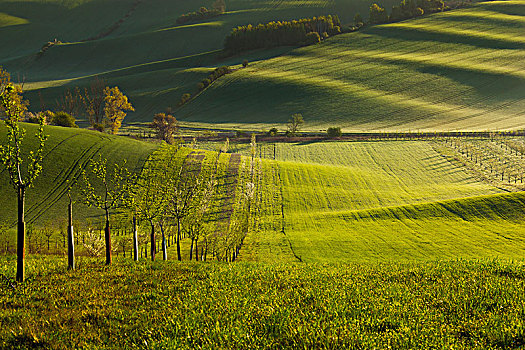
[(216, 74), (405, 10), (298, 32)]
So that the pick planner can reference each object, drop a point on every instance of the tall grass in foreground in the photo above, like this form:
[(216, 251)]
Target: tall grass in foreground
[(461, 304)]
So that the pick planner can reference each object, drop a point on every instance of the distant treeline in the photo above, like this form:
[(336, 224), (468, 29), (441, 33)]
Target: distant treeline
[(219, 7), (405, 10), (298, 32)]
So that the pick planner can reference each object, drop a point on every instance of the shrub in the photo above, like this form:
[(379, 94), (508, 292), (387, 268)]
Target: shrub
[(240, 133), (378, 14), (273, 132), (184, 99), (312, 38), (98, 127), (64, 119), (334, 132), (245, 63)]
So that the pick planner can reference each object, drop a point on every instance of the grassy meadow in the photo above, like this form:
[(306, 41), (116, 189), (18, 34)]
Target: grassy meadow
[(460, 305)]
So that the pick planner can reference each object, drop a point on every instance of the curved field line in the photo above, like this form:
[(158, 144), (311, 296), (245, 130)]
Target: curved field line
[(59, 190)]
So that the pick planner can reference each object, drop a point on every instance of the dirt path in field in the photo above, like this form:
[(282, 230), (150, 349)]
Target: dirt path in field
[(225, 207), (115, 25)]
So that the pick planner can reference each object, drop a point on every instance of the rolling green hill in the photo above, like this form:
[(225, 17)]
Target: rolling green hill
[(147, 55), (457, 70), (67, 152), (380, 201)]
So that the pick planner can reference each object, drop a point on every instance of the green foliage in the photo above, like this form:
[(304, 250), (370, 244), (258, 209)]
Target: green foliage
[(377, 14), (113, 187), (273, 132), (166, 126), (184, 99), (334, 132), (312, 38), (63, 119), (216, 74), (11, 152), (273, 34)]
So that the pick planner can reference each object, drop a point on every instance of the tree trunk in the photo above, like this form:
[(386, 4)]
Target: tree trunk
[(107, 234), (191, 249), (21, 243), (135, 240), (164, 245), (70, 239), (179, 257), (153, 242), (196, 251)]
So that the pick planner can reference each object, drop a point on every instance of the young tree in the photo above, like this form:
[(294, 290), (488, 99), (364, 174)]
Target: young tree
[(115, 107), (21, 175), (165, 126), (378, 14), (70, 232), (295, 123), (149, 195), (71, 102), (93, 101), (109, 192), (187, 187)]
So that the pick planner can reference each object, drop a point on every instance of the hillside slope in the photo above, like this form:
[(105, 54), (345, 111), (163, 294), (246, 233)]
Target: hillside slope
[(380, 201), (67, 152), (457, 70), (147, 55)]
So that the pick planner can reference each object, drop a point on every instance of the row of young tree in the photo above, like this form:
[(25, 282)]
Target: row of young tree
[(304, 31), (172, 190), (405, 10), (497, 159)]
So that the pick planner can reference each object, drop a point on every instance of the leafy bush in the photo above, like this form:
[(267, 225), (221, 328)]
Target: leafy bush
[(216, 74), (184, 99), (378, 14), (64, 119), (312, 38), (273, 132), (334, 132)]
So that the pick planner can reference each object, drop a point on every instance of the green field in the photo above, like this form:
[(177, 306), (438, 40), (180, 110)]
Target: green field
[(152, 60), (382, 201), (67, 153), (457, 70)]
